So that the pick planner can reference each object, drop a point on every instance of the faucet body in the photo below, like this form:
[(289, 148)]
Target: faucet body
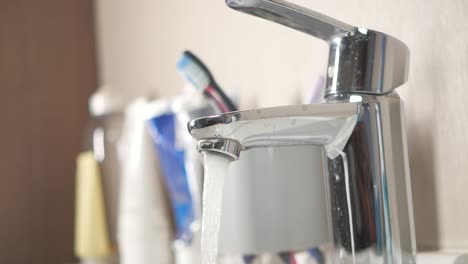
[(369, 187), (366, 171)]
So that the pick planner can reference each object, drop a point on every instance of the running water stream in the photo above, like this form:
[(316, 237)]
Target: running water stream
[(216, 170)]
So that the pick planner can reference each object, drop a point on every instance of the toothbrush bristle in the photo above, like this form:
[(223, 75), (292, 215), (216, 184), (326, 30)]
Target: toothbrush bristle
[(193, 72)]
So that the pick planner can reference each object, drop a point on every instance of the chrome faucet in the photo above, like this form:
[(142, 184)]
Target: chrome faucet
[(360, 127)]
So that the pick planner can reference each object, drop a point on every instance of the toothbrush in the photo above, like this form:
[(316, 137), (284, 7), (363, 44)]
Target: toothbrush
[(201, 78), (288, 257)]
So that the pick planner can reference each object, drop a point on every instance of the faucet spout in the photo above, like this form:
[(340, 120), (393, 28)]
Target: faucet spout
[(224, 146), (328, 125)]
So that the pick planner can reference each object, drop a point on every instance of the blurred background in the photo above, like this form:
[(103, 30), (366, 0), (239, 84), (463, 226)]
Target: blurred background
[(54, 54)]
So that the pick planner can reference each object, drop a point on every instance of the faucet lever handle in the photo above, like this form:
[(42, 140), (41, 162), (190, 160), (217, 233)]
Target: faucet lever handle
[(361, 61), (294, 16)]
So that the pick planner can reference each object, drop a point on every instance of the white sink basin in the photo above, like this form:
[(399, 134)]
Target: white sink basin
[(442, 258)]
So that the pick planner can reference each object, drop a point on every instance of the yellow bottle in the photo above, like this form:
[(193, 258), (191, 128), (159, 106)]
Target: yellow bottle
[(91, 232)]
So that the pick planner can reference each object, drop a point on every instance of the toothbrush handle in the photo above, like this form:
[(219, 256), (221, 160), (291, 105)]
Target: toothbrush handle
[(294, 16), (231, 107)]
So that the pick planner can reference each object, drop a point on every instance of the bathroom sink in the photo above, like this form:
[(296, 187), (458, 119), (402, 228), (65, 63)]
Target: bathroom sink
[(442, 258)]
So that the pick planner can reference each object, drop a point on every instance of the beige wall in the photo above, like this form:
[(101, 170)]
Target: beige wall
[(140, 42)]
